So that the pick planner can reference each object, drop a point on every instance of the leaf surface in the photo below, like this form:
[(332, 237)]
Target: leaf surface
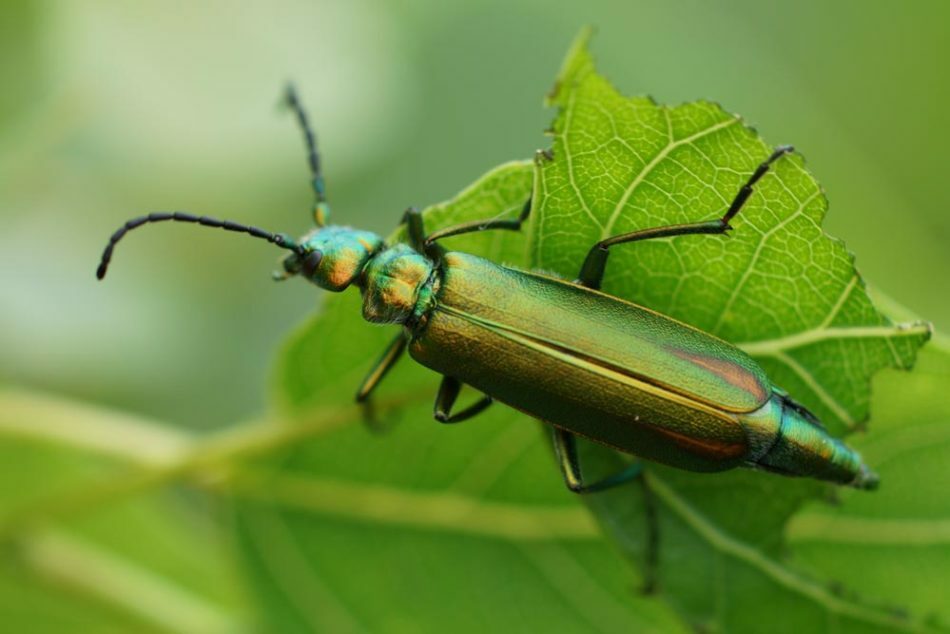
[(147, 563), (469, 526), (895, 544), (778, 287)]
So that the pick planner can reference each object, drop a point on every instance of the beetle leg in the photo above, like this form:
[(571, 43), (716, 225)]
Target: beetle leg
[(321, 210), (392, 354), (482, 225), (565, 445), (415, 227), (445, 399), (651, 562), (592, 271), (373, 378)]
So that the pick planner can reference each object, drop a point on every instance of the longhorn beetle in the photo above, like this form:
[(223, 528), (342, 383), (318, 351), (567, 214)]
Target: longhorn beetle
[(586, 362)]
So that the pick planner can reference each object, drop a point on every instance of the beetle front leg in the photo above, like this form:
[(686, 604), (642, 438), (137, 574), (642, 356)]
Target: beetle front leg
[(415, 228), (445, 399), (482, 225), (375, 376), (565, 445), (592, 271)]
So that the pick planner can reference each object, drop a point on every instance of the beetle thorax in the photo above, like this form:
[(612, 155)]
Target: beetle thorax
[(397, 285)]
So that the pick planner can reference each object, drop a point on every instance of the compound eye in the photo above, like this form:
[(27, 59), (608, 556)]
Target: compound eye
[(311, 262)]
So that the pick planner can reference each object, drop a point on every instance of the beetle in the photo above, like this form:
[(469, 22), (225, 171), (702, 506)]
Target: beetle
[(587, 363)]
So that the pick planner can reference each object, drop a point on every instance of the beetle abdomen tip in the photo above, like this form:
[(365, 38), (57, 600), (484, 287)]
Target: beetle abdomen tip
[(866, 479)]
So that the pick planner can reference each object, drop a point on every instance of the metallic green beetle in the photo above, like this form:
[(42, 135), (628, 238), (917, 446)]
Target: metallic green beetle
[(587, 363)]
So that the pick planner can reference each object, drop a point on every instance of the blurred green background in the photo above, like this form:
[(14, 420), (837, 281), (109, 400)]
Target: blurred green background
[(110, 110)]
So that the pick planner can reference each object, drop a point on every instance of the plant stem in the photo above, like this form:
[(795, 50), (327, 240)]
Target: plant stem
[(196, 457)]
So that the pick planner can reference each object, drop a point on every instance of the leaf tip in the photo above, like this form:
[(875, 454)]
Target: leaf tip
[(577, 63)]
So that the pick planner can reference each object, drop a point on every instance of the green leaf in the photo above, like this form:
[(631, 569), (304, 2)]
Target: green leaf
[(145, 564), (894, 544), (778, 287), (426, 527)]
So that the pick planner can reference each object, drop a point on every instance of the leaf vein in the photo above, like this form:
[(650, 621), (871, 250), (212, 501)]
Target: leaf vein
[(570, 159), (750, 269), (728, 545), (816, 387), (649, 167)]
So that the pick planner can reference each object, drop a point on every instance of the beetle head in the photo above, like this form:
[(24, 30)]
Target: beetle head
[(331, 257)]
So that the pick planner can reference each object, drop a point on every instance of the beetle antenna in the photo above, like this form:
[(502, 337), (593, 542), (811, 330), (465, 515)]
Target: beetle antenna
[(280, 239), (321, 209)]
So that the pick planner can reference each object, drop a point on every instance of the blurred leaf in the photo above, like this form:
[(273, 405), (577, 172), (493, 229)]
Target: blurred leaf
[(779, 287), (20, 60), (145, 564), (893, 544)]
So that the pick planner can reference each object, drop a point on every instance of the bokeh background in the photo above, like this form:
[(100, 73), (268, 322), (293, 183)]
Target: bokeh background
[(109, 110)]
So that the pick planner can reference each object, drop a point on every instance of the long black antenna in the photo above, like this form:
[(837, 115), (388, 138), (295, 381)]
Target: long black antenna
[(321, 209), (280, 239)]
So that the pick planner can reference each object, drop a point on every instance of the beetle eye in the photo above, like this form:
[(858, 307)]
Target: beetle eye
[(311, 262)]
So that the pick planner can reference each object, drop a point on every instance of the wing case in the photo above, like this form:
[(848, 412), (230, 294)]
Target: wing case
[(586, 361)]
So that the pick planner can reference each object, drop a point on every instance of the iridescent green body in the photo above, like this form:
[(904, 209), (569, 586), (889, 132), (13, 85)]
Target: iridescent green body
[(595, 365)]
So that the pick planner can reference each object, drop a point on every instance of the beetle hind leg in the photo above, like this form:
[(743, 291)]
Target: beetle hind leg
[(651, 551), (592, 271), (565, 445)]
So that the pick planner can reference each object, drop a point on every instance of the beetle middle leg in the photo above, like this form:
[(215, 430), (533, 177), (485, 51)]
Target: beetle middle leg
[(415, 228), (592, 271), (445, 399)]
